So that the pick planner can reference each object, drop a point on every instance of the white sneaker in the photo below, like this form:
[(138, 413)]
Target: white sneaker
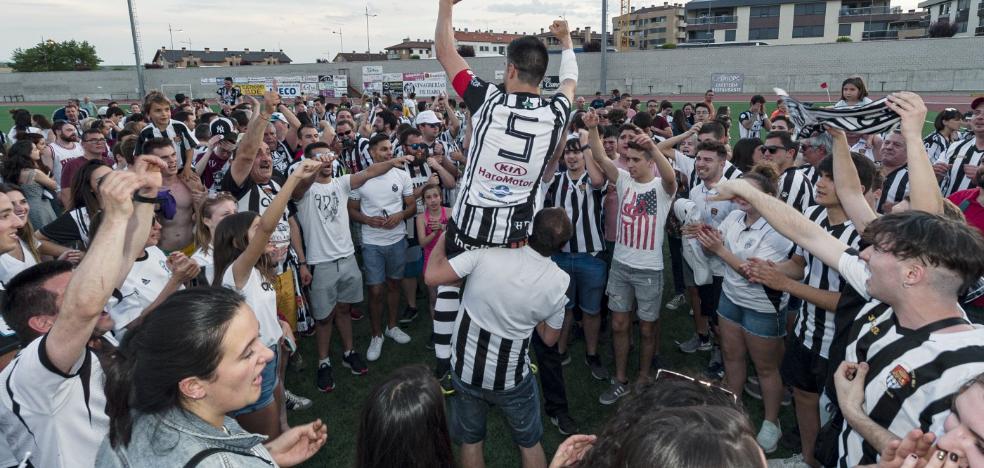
[(375, 348), (768, 437), (397, 335)]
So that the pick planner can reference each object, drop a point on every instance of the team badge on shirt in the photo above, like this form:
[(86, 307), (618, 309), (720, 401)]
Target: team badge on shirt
[(395, 188), (899, 377)]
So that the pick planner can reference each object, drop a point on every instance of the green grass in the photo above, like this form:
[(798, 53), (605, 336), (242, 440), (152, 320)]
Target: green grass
[(341, 408)]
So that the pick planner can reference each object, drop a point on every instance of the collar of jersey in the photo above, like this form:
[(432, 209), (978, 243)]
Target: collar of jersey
[(514, 100)]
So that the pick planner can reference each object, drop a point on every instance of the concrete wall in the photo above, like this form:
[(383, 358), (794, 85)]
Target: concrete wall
[(922, 65)]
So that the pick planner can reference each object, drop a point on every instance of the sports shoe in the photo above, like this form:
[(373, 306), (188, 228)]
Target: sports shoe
[(795, 461), (354, 362), (296, 402), (326, 381), (397, 335), (768, 437), (615, 391), (296, 362), (565, 424), (355, 314), (787, 396), (715, 368), (446, 386), (677, 301), (375, 348), (565, 358), (408, 315), (598, 370), (695, 343)]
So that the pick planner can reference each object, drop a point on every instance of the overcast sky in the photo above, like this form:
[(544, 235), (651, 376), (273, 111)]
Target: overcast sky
[(302, 28)]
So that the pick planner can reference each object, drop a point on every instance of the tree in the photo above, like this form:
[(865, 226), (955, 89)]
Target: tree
[(466, 51), (942, 28), (56, 56), (593, 46)]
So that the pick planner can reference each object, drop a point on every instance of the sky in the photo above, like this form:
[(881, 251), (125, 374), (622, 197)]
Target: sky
[(305, 29)]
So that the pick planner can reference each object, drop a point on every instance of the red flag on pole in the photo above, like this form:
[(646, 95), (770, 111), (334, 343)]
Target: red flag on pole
[(823, 85)]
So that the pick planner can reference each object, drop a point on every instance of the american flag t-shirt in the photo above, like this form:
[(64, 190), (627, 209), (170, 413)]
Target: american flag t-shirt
[(642, 218)]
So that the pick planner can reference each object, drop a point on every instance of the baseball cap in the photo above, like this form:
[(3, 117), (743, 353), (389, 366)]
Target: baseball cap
[(278, 116), (102, 110), (221, 126), (427, 117), (976, 102)]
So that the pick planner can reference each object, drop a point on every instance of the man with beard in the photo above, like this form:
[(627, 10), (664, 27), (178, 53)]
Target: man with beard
[(355, 147), (180, 193), (65, 148), (93, 148)]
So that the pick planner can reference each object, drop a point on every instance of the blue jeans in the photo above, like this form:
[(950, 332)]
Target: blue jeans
[(520, 405), (588, 274)]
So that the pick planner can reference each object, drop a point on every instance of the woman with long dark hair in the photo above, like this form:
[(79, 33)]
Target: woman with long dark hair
[(71, 229), (23, 167), (174, 378), (22, 124), (746, 152), (403, 423), (245, 261)]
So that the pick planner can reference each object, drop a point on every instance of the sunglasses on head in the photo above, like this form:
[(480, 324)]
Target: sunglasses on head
[(668, 375)]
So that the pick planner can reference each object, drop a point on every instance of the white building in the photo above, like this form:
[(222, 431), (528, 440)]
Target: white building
[(968, 15)]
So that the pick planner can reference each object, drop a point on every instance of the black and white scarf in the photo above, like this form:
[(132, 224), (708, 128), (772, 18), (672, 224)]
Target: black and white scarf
[(874, 117)]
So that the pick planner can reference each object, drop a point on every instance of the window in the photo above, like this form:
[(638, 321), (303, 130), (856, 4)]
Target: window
[(655, 30), (764, 11), (808, 31), (803, 9), (763, 33), (729, 35), (658, 19), (701, 36), (844, 29)]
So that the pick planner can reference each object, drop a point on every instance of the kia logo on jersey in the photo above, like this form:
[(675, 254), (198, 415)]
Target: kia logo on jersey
[(510, 169)]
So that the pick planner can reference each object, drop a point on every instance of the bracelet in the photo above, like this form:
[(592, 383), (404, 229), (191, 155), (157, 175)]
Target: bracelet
[(142, 199)]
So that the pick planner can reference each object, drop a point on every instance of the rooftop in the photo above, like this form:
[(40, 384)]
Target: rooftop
[(217, 56)]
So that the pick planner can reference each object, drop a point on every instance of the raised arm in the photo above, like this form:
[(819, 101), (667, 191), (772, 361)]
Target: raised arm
[(242, 266), (598, 149), (667, 145), (294, 123), (246, 154), (375, 170), (666, 174), (568, 62), (787, 220), (848, 184), (97, 275), (444, 48), (924, 191)]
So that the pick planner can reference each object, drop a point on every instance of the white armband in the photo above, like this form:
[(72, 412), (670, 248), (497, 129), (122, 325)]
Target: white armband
[(568, 65)]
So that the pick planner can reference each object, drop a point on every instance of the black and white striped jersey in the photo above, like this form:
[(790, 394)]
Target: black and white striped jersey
[(177, 132), (958, 154), (814, 327), (492, 332), (758, 121), (811, 173), (229, 96), (356, 157), (895, 188), (583, 204), (912, 373), (513, 136), (795, 189), (936, 145)]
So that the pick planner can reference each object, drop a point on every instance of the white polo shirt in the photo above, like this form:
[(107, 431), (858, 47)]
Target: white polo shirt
[(761, 241)]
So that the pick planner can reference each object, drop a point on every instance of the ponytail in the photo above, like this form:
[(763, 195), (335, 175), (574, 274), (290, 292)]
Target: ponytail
[(118, 389)]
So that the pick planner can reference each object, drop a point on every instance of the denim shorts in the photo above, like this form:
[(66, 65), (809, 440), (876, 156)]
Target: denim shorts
[(267, 387), (628, 286), (587, 284), (384, 262), (520, 405), (760, 324)]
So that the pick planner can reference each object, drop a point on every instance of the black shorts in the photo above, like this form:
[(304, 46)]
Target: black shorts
[(710, 294), (802, 368), (455, 242)]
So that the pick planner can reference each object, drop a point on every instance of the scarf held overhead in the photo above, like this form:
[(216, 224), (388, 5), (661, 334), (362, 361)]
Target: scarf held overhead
[(875, 117)]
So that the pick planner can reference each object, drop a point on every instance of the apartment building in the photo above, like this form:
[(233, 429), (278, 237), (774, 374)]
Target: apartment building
[(799, 21), (968, 15), (650, 27)]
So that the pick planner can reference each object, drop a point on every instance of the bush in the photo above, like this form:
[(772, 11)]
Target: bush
[(942, 28), (844, 39), (466, 51), (668, 45), (414, 57)]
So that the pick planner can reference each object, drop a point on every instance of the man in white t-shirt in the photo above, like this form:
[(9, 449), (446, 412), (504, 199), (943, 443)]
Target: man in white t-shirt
[(382, 205), (65, 148), (493, 330), (636, 275), (337, 280), (54, 387)]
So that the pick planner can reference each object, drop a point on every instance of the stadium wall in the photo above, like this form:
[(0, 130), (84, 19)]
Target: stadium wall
[(922, 65)]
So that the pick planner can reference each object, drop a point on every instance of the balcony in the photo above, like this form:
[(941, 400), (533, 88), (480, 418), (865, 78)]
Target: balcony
[(868, 11), (713, 20), (880, 35), (979, 31)]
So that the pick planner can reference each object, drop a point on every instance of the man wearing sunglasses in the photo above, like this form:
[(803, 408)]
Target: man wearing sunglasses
[(794, 186)]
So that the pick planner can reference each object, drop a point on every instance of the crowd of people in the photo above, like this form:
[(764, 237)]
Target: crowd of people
[(161, 260)]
